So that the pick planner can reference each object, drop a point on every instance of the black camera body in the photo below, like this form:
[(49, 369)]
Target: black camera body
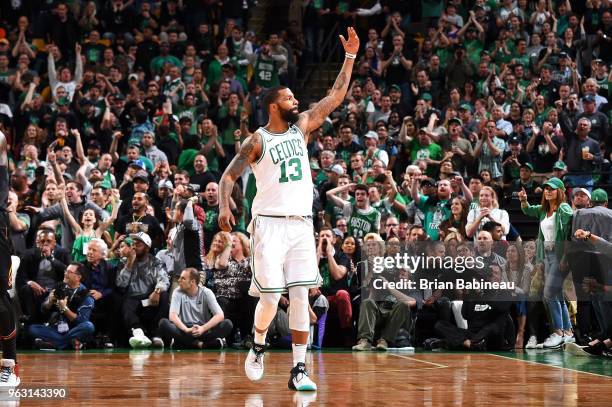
[(60, 292)]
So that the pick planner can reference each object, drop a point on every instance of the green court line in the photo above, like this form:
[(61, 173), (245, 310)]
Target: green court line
[(593, 365)]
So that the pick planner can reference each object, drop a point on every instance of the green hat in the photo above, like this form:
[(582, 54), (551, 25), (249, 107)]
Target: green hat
[(555, 183), (106, 184), (528, 165), (395, 87), (128, 241), (314, 165), (63, 101), (559, 165), (426, 96), (599, 195), (465, 106)]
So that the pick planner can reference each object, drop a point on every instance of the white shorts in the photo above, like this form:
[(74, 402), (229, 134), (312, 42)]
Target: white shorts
[(283, 255)]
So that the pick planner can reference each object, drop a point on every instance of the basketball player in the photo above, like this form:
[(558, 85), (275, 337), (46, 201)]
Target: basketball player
[(9, 376), (282, 238)]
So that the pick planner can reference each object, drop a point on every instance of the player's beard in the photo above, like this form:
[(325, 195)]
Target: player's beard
[(290, 116)]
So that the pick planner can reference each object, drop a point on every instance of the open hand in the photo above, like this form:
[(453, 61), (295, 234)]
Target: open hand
[(352, 44)]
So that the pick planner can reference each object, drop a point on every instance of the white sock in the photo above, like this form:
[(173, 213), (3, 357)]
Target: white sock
[(299, 354), (260, 338)]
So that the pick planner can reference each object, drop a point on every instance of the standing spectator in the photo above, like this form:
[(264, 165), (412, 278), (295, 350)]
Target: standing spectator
[(583, 155), (489, 149), (555, 218)]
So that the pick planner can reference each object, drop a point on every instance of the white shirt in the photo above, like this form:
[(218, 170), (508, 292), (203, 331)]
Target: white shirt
[(547, 226)]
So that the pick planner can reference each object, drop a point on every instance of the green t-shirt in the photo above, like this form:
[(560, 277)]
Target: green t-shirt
[(473, 48), (266, 72), (436, 211), (360, 221), (432, 151), (79, 248)]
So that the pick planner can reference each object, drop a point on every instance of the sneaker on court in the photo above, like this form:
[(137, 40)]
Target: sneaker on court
[(382, 345), (553, 341), (574, 349), (299, 379), (254, 363), (217, 343), (569, 339), (139, 339), (157, 342), (41, 344), (362, 345), (532, 343), (9, 373), (76, 344)]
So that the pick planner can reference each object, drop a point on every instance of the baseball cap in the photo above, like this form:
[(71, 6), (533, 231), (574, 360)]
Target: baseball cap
[(583, 190), (193, 187), (143, 237), (137, 163), (94, 144), (426, 96), (599, 195), (337, 168), (514, 140), (589, 98), (133, 77), (563, 55), (371, 134), (141, 175), (314, 165), (455, 120), (105, 184), (465, 106), (527, 165), (559, 165), (165, 183), (395, 87), (119, 96), (555, 183)]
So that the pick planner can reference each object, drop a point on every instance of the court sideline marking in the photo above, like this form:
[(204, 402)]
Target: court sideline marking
[(549, 365), (437, 365)]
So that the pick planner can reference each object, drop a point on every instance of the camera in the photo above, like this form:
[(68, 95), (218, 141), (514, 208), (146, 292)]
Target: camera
[(60, 292)]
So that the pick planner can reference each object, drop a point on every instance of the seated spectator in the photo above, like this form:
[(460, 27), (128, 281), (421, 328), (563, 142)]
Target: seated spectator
[(99, 279), (232, 281), (69, 325), (387, 309), (490, 326), (196, 319), (144, 283), (333, 267), (42, 267)]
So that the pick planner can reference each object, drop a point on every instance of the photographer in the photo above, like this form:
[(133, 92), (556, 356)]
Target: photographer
[(69, 306), (42, 267)]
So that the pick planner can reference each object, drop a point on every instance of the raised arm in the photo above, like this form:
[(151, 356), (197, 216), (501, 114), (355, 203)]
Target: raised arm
[(70, 220), (314, 118), (250, 151)]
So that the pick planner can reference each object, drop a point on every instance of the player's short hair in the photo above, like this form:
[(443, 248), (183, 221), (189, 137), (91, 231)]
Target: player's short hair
[(271, 96)]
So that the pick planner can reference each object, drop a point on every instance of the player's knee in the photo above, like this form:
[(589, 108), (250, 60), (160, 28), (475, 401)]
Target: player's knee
[(299, 319), (269, 300)]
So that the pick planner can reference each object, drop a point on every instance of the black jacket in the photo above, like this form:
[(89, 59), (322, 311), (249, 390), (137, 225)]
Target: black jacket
[(28, 270)]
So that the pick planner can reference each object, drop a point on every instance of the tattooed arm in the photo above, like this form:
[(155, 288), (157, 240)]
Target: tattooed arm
[(313, 118), (250, 151)]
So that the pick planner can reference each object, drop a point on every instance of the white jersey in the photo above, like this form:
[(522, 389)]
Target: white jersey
[(282, 174)]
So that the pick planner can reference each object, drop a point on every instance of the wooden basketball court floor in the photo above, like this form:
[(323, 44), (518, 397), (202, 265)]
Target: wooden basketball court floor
[(156, 378)]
